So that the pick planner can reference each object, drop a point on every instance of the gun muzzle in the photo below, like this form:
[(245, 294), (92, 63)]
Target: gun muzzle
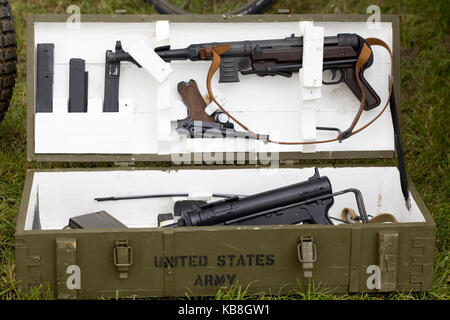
[(189, 53)]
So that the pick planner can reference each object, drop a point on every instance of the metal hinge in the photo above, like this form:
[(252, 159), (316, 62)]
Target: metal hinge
[(284, 11), (387, 260), (307, 254), (124, 163), (123, 258), (289, 162)]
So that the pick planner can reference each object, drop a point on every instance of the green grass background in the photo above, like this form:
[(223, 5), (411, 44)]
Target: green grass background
[(424, 81)]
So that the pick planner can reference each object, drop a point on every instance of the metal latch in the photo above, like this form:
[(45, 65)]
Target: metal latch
[(307, 255), (123, 257)]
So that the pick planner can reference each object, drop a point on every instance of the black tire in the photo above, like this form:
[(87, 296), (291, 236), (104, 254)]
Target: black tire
[(8, 56), (254, 7)]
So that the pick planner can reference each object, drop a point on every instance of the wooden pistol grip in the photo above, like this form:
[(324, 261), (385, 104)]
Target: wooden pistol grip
[(372, 99), (193, 101)]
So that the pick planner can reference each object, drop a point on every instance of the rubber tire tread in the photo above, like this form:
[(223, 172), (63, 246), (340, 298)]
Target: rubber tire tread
[(254, 7), (8, 56)]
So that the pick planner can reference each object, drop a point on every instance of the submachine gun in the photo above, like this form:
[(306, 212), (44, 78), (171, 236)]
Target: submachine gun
[(305, 202), (274, 57), (283, 57)]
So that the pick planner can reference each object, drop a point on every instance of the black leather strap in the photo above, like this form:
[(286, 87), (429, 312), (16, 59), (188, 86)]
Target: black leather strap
[(399, 148)]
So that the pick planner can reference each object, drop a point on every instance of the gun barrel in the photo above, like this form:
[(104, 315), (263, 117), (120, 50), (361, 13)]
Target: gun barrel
[(168, 55), (221, 211)]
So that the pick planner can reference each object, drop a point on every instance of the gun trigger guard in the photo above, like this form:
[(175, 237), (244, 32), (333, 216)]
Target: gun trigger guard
[(333, 73)]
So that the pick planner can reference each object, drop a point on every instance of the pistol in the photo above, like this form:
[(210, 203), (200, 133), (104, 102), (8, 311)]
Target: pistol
[(198, 124)]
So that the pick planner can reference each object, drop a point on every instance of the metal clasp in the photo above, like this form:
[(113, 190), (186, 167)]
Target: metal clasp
[(307, 254), (123, 257)]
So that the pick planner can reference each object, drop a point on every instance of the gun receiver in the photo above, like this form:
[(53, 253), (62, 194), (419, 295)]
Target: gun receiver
[(283, 57), (306, 202)]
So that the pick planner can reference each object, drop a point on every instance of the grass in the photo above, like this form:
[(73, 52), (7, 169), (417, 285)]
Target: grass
[(424, 80)]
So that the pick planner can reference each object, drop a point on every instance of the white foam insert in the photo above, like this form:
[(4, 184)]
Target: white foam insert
[(162, 36), (313, 39), (268, 105), (63, 195), (148, 59)]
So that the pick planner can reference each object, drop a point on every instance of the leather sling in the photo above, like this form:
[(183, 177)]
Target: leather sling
[(362, 60)]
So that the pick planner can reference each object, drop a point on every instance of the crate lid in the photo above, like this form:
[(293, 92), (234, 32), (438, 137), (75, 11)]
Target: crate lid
[(143, 129)]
